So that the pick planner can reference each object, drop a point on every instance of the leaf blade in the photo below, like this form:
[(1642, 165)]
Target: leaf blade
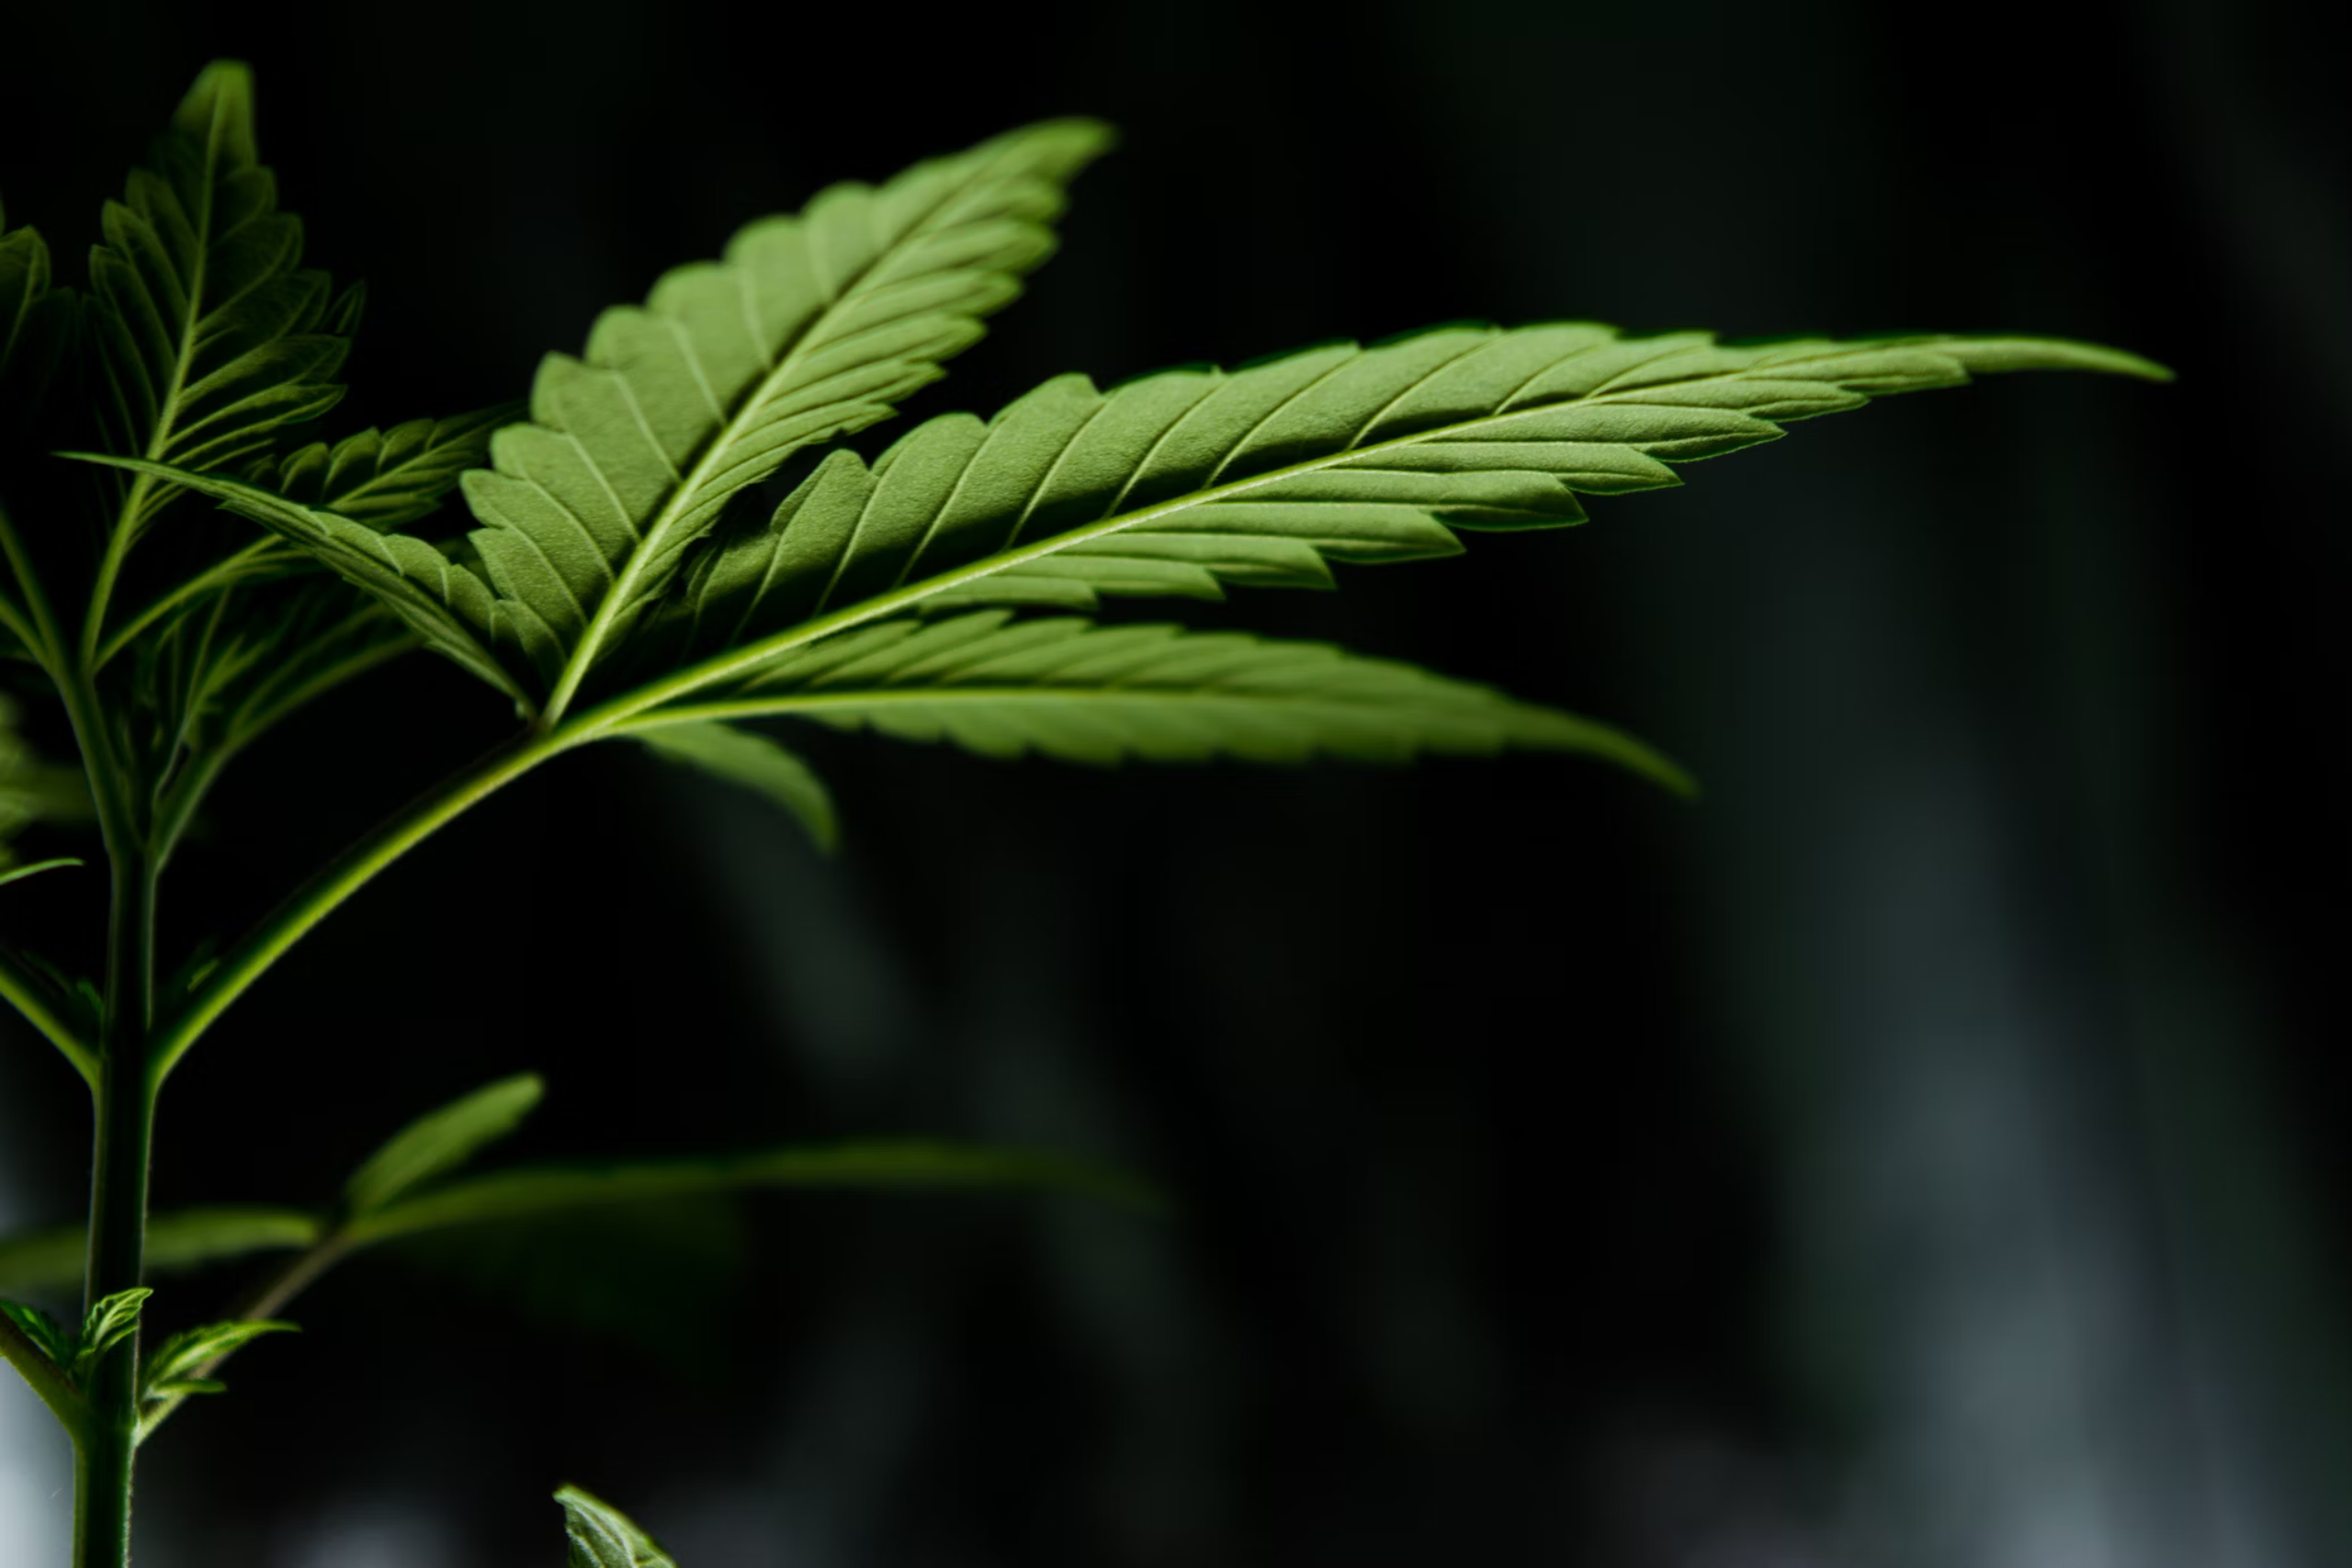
[(753, 761), (1189, 481), (1069, 689), (809, 327), (50, 1337), (439, 1142), (388, 478), (53, 1260), (449, 607), (601, 1536), (37, 321), (110, 1321), (913, 1164), (210, 335), (176, 1366)]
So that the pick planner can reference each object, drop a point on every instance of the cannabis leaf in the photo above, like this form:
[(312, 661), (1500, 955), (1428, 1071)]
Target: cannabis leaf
[(389, 478), (42, 1353), (757, 763), (1069, 689), (110, 1323), (19, 872), (810, 327), (1181, 482), (449, 607), (179, 1239), (439, 1142), (911, 1164), (50, 1337), (211, 336), (51, 1260), (381, 478), (36, 324), (604, 1537), (32, 789), (177, 1367)]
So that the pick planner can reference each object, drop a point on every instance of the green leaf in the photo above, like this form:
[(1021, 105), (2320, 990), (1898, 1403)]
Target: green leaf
[(890, 1163), (604, 1537), (386, 479), (754, 761), (211, 336), (218, 676), (33, 790), (43, 1330), (179, 1364), (108, 1323), (53, 1260), (439, 1142), (35, 323), (1182, 483), (19, 872), (1086, 693), (449, 607), (809, 327)]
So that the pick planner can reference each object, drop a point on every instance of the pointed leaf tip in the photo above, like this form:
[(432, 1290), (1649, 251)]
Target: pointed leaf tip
[(220, 105), (441, 1141), (603, 1536), (1990, 354), (19, 872), (757, 763)]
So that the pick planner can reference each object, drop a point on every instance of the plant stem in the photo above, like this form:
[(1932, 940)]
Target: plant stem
[(356, 868), (125, 1117), (267, 1302)]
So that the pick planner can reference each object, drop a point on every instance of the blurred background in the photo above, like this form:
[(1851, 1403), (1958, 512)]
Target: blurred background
[(1920, 1153)]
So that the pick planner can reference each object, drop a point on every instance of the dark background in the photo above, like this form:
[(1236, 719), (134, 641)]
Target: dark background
[(1920, 1154)]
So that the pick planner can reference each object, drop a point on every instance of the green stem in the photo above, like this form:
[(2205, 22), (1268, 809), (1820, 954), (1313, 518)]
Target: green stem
[(126, 1120), (358, 866), (45, 1378), (266, 1302), (234, 569)]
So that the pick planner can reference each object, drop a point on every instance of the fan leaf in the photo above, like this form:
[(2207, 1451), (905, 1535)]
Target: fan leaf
[(810, 326), (211, 336), (1182, 482), (1066, 688), (441, 597)]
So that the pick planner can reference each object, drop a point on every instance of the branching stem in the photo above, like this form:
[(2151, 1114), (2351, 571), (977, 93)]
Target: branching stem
[(46, 1379)]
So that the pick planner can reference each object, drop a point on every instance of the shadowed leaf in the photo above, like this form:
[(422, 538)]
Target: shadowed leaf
[(755, 762), (440, 1142)]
